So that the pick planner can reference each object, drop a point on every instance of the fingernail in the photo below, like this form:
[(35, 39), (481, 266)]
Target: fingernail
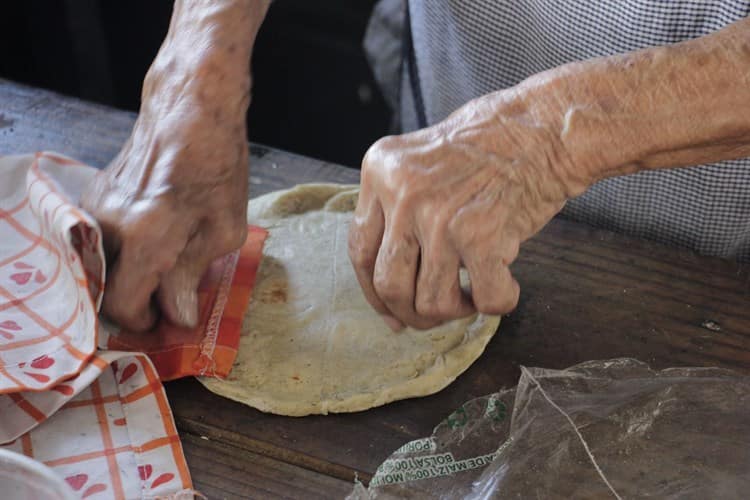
[(187, 308), (393, 323)]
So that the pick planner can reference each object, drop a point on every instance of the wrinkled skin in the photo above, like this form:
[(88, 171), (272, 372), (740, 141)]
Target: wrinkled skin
[(175, 197), (468, 191), (464, 193), (171, 202)]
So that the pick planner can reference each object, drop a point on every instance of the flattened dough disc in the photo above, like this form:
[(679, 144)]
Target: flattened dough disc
[(310, 343)]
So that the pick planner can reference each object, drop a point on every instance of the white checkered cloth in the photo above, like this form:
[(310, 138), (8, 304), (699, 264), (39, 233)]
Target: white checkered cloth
[(461, 49)]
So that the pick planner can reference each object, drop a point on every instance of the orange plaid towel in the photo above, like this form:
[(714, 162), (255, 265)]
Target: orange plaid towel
[(211, 347), (52, 277)]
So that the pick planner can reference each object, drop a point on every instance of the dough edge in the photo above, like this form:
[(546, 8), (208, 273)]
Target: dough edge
[(263, 211)]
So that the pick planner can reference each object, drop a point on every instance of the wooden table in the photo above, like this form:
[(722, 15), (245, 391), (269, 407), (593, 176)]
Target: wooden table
[(586, 294)]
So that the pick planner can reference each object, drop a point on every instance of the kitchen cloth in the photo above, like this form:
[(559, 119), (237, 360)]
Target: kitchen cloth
[(211, 348), (115, 439), (52, 275)]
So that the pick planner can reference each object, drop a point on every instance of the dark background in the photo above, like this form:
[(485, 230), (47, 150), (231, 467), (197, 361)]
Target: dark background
[(313, 92)]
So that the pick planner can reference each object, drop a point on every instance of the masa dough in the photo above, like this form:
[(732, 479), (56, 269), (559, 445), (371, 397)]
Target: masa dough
[(310, 343)]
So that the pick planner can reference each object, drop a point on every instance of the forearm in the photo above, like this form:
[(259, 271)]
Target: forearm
[(671, 106), (206, 53)]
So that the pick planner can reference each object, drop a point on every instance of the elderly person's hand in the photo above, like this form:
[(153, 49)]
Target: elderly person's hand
[(175, 197), (463, 193), (468, 191)]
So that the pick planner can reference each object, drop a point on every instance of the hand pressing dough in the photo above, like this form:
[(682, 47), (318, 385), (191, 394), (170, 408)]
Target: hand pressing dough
[(310, 343)]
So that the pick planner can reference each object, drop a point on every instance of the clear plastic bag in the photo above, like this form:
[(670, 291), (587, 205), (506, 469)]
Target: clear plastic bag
[(601, 429)]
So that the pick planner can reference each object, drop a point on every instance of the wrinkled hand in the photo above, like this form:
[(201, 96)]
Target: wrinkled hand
[(173, 200), (463, 193)]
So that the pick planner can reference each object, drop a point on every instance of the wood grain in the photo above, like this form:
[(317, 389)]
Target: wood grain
[(586, 294), (222, 471)]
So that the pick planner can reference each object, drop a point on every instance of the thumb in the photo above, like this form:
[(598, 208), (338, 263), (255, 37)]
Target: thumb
[(178, 290), (178, 296)]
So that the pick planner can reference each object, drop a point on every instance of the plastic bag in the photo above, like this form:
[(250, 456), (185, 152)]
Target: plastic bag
[(601, 429)]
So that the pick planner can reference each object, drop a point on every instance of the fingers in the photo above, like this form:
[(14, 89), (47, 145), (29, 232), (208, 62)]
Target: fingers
[(148, 243), (177, 294), (134, 278), (127, 299), (395, 275), (365, 237), (486, 251), (493, 288), (128, 287), (405, 287), (439, 295)]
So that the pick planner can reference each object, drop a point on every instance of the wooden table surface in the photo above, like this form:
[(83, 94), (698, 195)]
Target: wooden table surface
[(585, 294)]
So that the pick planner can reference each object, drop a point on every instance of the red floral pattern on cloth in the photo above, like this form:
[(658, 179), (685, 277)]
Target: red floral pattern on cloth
[(49, 295), (99, 418), (116, 439)]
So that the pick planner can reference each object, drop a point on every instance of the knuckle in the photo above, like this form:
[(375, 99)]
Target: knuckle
[(361, 259), (469, 232), (354, 239), (142, 248), (385, 143), (360, 256), (221, 235), (233, 237), (426, 307), (388, 289), (378, 155), (147, 224), (369, 158)]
